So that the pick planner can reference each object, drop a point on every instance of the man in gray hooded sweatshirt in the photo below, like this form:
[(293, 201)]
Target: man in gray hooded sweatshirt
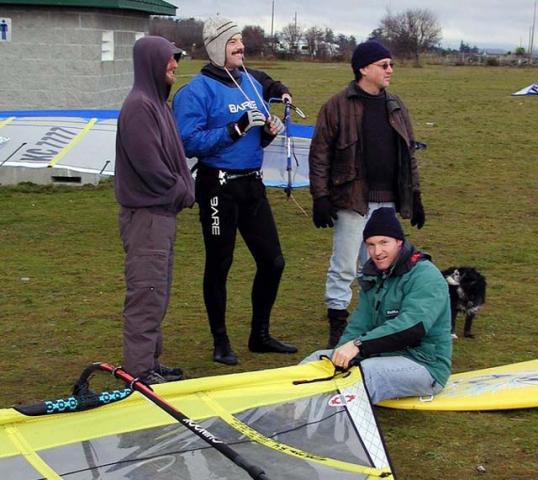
[(152, 185)]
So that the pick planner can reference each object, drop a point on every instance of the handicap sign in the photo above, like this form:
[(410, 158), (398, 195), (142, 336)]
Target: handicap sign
[(5, 29)]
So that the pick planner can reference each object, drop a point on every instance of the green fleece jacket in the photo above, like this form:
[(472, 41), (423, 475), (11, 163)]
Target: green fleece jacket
[(405, 311)]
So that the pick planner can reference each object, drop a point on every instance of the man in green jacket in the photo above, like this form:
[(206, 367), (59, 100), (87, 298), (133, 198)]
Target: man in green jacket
[(400, 330)]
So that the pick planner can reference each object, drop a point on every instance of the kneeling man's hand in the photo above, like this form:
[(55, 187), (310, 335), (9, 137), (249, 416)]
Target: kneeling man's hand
[(343, 355)]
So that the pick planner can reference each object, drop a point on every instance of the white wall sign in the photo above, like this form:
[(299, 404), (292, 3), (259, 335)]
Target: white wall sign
[(5, 29), (107, 46)]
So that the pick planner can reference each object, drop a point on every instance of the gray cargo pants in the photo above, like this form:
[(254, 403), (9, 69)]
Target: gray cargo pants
[(148, 240)]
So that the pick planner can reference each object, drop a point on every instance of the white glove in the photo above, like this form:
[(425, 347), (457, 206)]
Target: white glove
[(252, 118), (274, 126)]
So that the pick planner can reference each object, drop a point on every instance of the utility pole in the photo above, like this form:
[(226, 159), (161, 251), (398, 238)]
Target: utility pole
[(531, 43), (272, 19), (296, 34)]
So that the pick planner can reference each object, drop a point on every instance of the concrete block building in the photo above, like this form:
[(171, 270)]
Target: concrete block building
[(62, 54)]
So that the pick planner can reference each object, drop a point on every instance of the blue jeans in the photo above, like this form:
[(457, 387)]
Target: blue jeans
[(391, 377), (348, 249)]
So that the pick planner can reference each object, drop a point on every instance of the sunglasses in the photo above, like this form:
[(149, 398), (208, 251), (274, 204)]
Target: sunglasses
[(384, 65)]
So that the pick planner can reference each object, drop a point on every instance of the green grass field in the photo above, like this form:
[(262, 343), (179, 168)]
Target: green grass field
[(61, 267)]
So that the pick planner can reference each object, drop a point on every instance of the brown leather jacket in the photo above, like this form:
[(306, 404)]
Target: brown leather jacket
[(336, 162)]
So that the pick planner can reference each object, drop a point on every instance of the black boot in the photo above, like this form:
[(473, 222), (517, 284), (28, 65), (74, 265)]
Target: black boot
[(170, 374), (261, 342), (223, 352), (337, 325)]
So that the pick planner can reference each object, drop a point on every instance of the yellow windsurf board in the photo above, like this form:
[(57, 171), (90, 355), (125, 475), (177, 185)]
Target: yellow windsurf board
[(499, 388)]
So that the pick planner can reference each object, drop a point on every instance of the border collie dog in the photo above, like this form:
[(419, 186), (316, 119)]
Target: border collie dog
[(467, 288)]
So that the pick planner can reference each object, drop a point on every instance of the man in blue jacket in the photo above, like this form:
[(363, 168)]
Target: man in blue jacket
[(400, 330), (224, 122)]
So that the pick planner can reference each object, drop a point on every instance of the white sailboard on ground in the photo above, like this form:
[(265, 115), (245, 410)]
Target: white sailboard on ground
[(83, 141), (530, 90)]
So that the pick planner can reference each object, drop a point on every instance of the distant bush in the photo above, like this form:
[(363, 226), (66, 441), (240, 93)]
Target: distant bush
[(492, 62)]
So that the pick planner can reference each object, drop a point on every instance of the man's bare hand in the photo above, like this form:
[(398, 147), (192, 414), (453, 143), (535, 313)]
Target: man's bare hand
[(344, 354)]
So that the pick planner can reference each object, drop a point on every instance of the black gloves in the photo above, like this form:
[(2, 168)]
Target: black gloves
[(419, 217), (324, 213), (252, 118), (269, 133), (277, 123), (255, 118)]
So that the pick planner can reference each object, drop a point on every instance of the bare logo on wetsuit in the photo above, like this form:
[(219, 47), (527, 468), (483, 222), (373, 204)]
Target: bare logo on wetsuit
[(215, 220), (247, 105)]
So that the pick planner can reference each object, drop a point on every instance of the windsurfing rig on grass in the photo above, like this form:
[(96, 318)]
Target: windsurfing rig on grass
[(254, 471), (288, 142), (306, 422), (83, 399), (289, 146)]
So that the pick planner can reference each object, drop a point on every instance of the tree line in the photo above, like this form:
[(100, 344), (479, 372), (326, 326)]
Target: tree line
[(408, 34), (292, 40)]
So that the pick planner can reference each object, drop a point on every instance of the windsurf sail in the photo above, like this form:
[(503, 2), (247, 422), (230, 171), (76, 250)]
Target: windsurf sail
[(300, 422), (530, 90), (80, 140), (84, 141), (285, 165)]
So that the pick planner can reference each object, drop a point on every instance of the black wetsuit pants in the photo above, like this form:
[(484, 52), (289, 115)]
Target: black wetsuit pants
[(228, 205)]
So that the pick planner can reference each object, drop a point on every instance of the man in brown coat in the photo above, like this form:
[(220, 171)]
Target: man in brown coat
[(362, 157)]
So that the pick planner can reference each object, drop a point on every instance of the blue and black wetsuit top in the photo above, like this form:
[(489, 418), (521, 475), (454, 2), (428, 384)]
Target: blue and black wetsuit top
[(207, 107)]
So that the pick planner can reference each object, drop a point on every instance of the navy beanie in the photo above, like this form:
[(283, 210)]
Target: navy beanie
[(366, 53), (383, 222)]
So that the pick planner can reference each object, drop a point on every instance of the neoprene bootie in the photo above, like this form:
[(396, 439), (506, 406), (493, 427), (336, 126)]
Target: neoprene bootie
[(261, 342), (223, 353)]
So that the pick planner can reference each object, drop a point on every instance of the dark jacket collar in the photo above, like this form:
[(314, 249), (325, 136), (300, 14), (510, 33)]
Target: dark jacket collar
[(219, 74), (408, 258), (354, 91)]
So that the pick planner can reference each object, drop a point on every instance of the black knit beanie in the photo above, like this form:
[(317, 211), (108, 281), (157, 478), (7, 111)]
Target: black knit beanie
[(366, 53), (383, 222)]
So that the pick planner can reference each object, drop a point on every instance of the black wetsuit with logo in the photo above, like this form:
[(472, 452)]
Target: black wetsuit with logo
[(232, 199)]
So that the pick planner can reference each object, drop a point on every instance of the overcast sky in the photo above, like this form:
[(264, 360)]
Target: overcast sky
[(484, 23)]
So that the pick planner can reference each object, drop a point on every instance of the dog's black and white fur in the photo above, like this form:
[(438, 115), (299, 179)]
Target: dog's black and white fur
[(467, 288)]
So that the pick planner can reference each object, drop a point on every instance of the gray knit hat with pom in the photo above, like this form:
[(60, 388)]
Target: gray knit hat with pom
[(217, 31)]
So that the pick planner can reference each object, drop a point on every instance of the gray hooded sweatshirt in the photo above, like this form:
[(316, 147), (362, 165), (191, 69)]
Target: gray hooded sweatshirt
[(151, 170)]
